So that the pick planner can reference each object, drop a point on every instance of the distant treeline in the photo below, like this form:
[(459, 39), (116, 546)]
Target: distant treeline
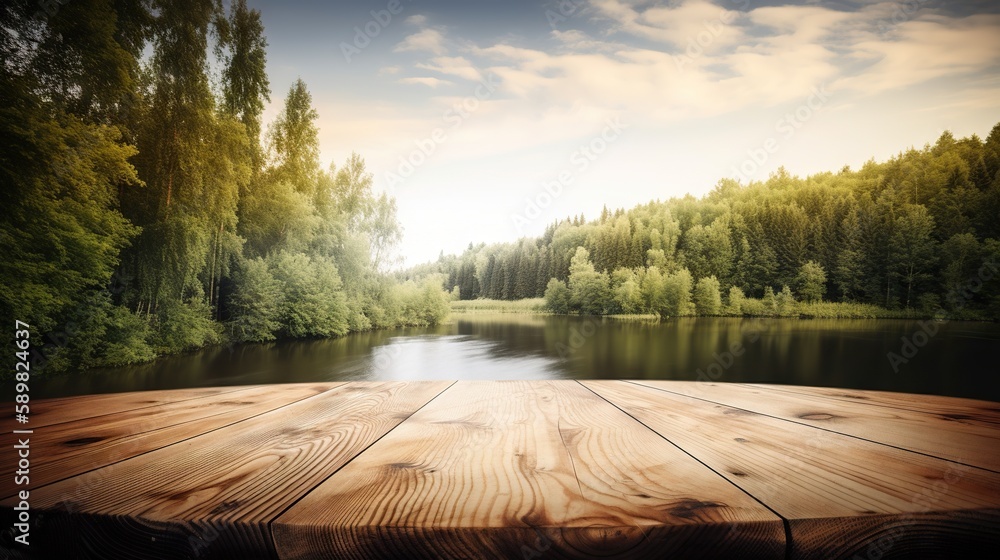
[(919, 232), (142, 214)]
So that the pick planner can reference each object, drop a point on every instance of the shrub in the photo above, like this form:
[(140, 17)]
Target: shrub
[(707, 299)]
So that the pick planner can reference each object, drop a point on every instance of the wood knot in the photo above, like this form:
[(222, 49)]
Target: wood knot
[(817, 416), (226, 506), (82, 441), (687, 509)]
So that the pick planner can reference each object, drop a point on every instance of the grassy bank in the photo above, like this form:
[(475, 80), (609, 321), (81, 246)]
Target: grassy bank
[(529, 305), (749, 307)]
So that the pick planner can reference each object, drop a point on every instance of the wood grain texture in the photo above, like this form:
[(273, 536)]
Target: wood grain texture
[(815, 478), (968, 438), (529, 469), (212, 496), (47, 412), (930, 535), (971, 410), (67, 449), (515, 469)]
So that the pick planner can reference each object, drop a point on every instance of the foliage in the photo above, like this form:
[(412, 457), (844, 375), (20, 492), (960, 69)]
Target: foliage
[(589, 290), (707, 299), (557, 296), (256, 303), (314, 304), (422, 303), (811, 281), (186, 325), (785, 302), (891, 234), (735, 302), (122, 159)]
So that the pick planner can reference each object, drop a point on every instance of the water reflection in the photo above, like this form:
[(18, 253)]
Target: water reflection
[(457, 357), (845, 353)]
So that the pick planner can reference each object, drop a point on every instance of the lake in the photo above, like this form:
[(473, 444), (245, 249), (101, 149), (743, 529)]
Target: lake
[(958, 360)]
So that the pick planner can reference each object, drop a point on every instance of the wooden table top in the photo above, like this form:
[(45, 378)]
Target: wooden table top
[(507, 469)]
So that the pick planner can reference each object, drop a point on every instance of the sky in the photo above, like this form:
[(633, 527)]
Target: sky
[(488, 121)]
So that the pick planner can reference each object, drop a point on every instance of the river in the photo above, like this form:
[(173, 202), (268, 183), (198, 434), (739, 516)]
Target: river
[(960, 359)]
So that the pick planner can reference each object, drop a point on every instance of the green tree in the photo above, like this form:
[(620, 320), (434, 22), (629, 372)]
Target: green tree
[(736, 299), (707, 298), (185, 154), (422, 303), (279, 210), (912, 249), (557, 296), (811, 282), (769, 301), (708, 250), (961, 257), (589, 289), (677, 293), (294, 141), (314, 304), (242, 48), (785, 302), (654, 293), (256, 303), (86, 56), (627, 290), (62, 231)]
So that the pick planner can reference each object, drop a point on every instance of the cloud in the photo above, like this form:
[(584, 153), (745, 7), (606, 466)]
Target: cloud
[(417, 19), (426, 81), (453, 66), (639, 65), (676, 25), (764, 57), (430, 40), (922, 50), (576, 40)]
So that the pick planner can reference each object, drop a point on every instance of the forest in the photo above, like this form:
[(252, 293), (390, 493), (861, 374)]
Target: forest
[(149, 211), (915, 236)]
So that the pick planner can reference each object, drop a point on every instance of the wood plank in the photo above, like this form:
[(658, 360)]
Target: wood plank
[(213, 495), (837, 492), (953, 408), (966, 440), (515, 469), (47, 412), (64, 450)]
